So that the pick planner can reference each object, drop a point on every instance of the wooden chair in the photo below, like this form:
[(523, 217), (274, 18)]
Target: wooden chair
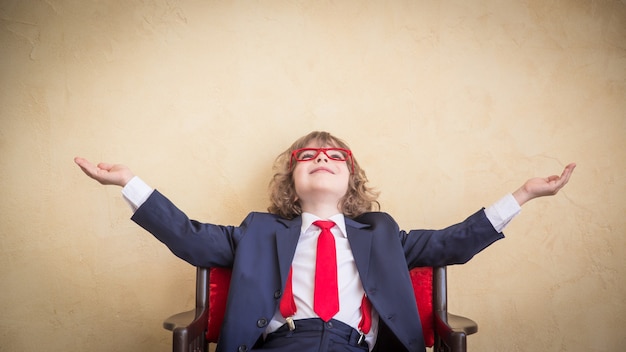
[(195, 329)]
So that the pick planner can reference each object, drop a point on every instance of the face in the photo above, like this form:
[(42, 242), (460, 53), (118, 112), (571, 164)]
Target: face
[(322, 178)]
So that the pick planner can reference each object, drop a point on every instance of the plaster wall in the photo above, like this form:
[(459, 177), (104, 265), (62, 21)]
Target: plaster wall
[(448, 105)]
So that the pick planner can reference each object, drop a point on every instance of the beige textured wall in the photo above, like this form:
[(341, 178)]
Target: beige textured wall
[(447, 104)]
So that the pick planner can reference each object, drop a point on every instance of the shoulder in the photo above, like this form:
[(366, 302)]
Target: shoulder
[(263, 215), (268, 219), (376, 219), (260, 216)]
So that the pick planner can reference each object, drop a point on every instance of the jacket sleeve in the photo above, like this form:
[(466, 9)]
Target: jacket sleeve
[(199, 244), (455, 244)]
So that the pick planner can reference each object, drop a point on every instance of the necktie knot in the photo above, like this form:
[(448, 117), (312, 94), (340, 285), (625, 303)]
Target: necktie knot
[(324, 224)]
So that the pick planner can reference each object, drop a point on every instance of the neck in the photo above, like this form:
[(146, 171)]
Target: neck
[(323, 211)]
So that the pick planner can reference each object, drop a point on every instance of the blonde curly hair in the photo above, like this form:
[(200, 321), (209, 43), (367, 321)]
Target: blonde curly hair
[(359, 199)]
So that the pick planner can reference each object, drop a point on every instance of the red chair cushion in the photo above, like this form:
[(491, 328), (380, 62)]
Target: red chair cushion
[(422, 280), (219, 282)]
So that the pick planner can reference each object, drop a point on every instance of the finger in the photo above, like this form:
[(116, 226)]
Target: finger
[(569, 169), (105, 166), (81, 161), (565, 175), (86, 166), (567, 172)]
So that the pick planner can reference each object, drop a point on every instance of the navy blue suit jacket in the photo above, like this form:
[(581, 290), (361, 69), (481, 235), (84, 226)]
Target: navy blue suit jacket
[(261, 249)]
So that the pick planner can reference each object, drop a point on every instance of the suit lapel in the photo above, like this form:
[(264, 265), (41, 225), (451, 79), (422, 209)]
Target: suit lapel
[(286, 242), (360, 239)]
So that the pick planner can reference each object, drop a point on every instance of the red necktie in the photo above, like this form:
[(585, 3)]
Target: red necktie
[(326, 292)]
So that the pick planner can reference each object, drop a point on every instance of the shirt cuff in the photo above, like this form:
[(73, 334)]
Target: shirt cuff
[(136, 192), (502, 212)]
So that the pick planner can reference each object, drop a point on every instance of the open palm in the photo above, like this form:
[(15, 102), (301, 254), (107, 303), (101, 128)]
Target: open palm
[(106, 174)]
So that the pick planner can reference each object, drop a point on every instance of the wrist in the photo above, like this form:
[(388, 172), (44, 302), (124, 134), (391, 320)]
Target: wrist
[(522, 196), (125, 180)]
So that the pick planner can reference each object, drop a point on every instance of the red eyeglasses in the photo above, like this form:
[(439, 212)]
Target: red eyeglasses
[(308, 154)]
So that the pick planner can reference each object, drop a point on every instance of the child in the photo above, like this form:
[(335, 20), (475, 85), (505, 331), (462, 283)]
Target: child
[(273, 304)]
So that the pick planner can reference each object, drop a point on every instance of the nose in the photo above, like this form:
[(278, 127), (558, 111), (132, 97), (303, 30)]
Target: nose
[(322, 157)]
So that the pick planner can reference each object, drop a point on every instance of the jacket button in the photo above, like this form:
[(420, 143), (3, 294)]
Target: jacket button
[(261, 322), (277, 294), (242, 348)]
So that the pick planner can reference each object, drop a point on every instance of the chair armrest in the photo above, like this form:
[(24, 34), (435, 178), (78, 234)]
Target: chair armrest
[(459, 323), (179, 320), (453, 331), (189, 330)]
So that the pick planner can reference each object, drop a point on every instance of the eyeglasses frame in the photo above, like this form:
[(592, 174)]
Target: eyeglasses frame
[(317, 153)]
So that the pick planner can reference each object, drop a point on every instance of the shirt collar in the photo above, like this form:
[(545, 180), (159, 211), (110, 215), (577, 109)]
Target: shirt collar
[(338, 219)]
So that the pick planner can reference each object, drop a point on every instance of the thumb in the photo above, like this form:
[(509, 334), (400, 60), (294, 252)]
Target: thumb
[(105, 166)]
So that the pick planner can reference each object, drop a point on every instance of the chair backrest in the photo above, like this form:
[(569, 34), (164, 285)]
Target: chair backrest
[(219, 282), (422, 280)]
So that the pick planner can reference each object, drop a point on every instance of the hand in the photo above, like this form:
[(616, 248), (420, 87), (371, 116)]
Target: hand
[(106, 174), (539, 187)]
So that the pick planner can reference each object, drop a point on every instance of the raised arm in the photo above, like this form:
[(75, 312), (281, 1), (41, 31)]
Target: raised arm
[(539, 187), (106, 174)]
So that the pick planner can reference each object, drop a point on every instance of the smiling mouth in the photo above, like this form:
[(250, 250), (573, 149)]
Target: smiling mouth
[(321, 169)]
